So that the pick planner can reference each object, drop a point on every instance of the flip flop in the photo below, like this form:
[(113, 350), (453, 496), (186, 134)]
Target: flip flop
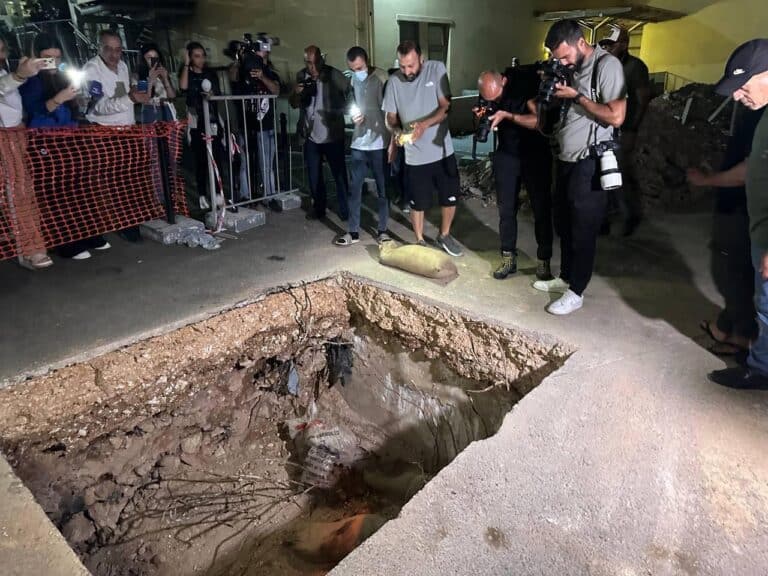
[(724, 349), (706, 326)]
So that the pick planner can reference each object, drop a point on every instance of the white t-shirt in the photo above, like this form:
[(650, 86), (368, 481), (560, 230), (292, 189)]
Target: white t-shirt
[(11, 110), (115, 108)]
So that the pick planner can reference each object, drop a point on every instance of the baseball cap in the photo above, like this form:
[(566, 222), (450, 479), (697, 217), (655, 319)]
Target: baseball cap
[(615, 35), (749, 59)]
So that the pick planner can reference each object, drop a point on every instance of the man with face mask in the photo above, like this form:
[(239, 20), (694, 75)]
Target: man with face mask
[(595, 104), (416, 101), (369, 143)]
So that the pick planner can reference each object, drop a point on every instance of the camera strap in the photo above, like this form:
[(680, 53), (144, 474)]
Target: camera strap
[(595, 96)]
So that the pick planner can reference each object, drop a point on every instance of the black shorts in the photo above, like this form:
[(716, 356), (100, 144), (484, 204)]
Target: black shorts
[(441, 177)]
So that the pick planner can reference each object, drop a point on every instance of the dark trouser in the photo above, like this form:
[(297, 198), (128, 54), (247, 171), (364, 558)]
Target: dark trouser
[(580, 206), (506, 169), (334, 154), (733, 274), (200, 154), (397, 171), (629, 194), (537, 177)]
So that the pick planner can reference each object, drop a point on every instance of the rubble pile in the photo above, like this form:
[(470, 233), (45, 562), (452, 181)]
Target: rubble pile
[(666, 147), (477, 179)]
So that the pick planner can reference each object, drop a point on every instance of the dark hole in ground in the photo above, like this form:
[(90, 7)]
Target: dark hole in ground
[(277, 462)]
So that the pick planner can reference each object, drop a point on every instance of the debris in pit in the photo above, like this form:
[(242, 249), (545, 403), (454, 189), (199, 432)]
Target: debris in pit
[(340, 359), (331, 542)]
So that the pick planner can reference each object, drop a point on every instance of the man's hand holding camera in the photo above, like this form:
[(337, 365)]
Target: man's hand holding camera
[(565, 92)]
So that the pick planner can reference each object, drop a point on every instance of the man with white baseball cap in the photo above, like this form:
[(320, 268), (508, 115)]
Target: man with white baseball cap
[(746, 79)]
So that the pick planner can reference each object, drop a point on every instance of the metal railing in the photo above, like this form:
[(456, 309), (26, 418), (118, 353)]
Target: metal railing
[(265, 170)]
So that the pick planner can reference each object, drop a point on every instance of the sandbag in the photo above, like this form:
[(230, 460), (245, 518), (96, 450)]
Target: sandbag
[(420, 260)]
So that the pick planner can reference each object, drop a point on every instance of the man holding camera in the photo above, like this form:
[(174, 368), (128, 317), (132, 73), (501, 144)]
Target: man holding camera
[(595, 105), (416, 101), (321, 94), (522, 154), (253, 74)]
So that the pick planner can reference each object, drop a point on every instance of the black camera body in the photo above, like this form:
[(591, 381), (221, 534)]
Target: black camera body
[(552, 72), (309, 85), (485, 110)]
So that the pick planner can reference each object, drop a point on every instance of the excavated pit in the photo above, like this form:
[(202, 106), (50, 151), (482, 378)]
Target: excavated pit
[(270, 439)]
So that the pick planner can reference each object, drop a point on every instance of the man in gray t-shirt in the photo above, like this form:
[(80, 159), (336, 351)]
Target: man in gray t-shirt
[(416, 100), (595, 104)]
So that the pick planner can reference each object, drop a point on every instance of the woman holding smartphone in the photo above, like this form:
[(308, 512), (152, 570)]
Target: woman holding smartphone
[(153, 77)]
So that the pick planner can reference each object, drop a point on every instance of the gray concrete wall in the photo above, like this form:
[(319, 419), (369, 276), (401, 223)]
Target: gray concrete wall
[(484, 33)]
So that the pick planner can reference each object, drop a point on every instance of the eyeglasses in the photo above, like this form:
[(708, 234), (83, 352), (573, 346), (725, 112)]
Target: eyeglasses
[(118, 50)]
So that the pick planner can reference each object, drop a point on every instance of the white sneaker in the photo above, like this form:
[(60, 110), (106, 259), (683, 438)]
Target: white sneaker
[(84, 255), (555, 285), (105, 246), (204, 205), (567, 303)]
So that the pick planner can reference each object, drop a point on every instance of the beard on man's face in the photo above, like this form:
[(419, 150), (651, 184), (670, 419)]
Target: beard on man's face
[(579, 61)]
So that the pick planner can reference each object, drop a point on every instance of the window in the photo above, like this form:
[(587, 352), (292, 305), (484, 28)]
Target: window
[(433, 37)]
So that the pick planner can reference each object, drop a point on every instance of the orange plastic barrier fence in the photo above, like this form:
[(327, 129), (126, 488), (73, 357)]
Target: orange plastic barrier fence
[(63, 185)]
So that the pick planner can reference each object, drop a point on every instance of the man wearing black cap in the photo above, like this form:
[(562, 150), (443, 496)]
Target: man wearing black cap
[(746, 79), (638, 96)]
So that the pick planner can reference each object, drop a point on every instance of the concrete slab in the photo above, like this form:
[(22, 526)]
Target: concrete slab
[(626, 461), (29, 543)]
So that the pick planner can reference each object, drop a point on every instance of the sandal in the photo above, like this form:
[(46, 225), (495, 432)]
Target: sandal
[(725, 349), (706, 326), (346, 240), (36, 261)]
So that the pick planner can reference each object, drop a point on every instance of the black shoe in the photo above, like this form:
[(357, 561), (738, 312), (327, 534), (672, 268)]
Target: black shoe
[(605, 228), (739, 378), (312, 215), (508, 265)]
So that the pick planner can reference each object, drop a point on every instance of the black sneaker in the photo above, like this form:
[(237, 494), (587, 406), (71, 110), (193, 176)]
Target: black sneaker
[(508, 265), (543, 271), (739, 378), (449, 244)]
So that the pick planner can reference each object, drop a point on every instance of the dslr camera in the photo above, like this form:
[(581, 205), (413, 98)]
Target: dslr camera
[(483, 111), (552, 72), (309, 85)]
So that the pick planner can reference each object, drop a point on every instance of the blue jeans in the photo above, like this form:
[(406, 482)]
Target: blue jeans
[(758, 354), (376, 161), (313, 156)]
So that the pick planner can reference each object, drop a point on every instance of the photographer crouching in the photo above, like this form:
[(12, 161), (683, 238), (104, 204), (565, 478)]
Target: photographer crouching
[(521, 155), (593, 107)]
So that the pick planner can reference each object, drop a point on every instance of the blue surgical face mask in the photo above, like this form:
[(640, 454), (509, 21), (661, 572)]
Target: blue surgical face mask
[(361, 75)]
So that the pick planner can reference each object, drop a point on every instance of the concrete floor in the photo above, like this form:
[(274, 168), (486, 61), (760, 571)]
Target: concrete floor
[(626, 461)]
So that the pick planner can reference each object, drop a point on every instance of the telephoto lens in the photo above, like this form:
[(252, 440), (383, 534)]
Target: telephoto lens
[(610, 175)]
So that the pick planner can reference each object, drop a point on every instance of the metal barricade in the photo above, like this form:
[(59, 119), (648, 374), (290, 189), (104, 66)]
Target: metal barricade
[(258, 149)]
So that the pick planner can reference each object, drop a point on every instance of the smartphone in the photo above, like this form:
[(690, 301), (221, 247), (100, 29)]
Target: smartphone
[(142, 86), (49, 63)]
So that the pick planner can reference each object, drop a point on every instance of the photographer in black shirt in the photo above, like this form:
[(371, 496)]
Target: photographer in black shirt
[(523, 155)]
